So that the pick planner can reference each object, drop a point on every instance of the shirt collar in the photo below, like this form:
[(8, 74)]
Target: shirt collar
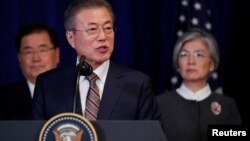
[(31, 88), (102, 71), (197, 96)]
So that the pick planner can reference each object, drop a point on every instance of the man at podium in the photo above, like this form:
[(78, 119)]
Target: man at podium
[(118, 93)]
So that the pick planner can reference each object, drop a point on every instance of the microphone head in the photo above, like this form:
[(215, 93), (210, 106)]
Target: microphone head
[(85, 69)]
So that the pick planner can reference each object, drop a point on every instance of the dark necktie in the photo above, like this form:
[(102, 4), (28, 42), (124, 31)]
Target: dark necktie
[(93, 98)]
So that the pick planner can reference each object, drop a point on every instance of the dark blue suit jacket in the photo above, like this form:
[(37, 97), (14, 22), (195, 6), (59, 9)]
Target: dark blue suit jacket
[(127, 95)]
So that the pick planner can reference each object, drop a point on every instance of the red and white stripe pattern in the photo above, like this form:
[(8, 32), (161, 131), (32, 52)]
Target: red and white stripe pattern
[(93, 98)]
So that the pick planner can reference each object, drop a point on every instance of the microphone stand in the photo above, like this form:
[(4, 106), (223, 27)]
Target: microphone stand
[(83, 68)]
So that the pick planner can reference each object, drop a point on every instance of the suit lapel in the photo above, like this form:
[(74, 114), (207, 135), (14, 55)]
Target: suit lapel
[(111, 92), (24, 89)]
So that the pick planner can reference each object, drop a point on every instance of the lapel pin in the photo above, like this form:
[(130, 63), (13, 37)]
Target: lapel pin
[(216, 108)]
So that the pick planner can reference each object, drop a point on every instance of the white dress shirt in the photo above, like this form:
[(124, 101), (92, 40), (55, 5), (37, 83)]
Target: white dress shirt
[(31, 88), (101, 72)]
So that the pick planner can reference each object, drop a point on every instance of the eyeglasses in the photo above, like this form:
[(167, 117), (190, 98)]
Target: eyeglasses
[(41, 51), (196, 54), (94, 31)]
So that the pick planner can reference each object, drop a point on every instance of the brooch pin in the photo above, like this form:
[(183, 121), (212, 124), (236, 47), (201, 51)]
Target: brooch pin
[(216, 108)]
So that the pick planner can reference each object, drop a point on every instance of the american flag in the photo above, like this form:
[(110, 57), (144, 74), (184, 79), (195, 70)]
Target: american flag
[(195, 14)]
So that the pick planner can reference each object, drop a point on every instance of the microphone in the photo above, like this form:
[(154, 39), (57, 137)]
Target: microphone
[(84, 69)]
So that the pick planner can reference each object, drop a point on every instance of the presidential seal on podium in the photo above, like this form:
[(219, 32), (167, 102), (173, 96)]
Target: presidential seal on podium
[(68, 127)]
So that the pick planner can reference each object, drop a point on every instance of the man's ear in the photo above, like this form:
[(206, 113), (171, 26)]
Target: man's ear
[(70, 37)]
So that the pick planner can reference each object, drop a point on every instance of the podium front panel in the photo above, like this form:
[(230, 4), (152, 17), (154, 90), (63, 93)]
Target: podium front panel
[(118, 130)]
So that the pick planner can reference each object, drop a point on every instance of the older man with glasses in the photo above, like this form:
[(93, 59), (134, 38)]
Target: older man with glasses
[(112, 92), (37, 52)]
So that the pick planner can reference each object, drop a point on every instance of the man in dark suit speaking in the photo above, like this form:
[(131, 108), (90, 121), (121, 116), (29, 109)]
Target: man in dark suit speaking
[(124, 94)]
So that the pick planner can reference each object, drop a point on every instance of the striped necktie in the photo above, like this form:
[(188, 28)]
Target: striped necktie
[(93, 98)]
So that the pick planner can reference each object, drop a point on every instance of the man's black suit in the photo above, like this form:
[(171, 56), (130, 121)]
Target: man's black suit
[(127, 94), (16, 101)]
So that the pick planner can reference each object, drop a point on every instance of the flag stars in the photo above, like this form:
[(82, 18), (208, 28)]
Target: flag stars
[(195, 21), (174, 80), (208, 26), (182, 18), (209, 12), (184, 3), (197, 6), (214, 75), (179, 33)]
